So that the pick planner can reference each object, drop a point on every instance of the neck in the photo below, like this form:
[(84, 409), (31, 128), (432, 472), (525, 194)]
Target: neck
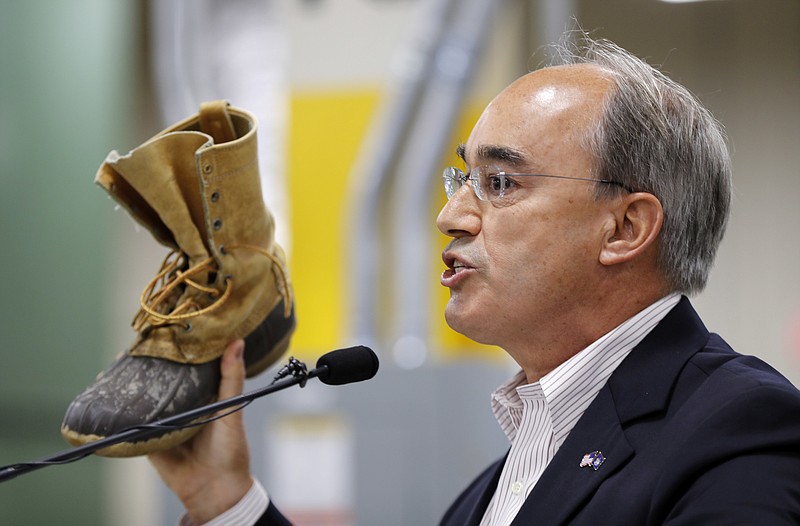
[(548, 345)]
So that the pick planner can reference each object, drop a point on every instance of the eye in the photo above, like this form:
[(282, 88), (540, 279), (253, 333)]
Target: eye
[(497, 184)]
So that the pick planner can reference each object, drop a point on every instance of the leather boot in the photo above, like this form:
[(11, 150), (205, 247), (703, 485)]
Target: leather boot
[(196, 188)]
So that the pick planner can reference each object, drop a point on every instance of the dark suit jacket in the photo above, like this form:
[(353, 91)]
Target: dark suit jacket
[(692, 434)]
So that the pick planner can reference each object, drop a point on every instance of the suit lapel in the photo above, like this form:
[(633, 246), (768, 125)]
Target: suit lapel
[(641, 385), (483, 491), (564, 485), (643, 382)]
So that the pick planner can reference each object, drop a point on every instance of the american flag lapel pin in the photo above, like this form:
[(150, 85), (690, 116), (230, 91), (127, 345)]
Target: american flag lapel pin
[(592, 460)]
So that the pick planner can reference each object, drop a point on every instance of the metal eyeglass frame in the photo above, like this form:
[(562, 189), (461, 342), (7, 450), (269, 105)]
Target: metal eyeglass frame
[(454, 178)]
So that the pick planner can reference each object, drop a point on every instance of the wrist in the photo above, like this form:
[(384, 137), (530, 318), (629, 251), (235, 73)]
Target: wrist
[(214, 499)]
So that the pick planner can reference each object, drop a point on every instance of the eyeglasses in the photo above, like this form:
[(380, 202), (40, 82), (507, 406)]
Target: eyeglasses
[(491, 184)]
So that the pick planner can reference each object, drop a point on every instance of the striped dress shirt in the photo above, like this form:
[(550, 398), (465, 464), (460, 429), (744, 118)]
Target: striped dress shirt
[(537, 417)]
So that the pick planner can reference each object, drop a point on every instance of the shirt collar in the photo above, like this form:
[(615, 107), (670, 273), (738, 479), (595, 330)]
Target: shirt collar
[(570, 388)]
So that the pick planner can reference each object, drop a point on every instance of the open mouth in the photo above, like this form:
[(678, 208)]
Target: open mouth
[(455, 269)]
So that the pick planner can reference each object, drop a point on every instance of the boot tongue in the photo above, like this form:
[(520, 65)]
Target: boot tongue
[(216, 121), (161, 174), (159, 184)]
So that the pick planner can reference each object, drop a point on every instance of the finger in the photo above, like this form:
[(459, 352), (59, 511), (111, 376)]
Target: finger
[(233, 371)]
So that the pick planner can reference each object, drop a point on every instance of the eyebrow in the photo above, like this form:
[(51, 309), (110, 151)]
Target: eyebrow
[(491, 152), (461, 151)]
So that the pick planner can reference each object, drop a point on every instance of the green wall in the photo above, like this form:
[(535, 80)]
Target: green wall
[(66, 77)]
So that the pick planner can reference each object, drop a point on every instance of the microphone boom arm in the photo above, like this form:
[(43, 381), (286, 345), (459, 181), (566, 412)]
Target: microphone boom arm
[(156, 428)]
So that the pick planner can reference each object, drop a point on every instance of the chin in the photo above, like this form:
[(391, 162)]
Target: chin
[(456, 320), (469, 326)]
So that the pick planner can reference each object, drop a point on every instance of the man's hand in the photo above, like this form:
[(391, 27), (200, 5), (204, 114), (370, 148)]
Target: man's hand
[(211, 472)]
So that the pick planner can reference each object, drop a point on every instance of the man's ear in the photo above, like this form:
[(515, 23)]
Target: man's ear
[(637, 222)]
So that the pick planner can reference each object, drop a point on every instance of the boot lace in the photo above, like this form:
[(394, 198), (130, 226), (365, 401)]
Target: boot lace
[(155, 301)]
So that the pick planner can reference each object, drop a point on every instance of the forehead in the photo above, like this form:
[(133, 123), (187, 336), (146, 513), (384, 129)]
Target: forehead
[(541, 119)]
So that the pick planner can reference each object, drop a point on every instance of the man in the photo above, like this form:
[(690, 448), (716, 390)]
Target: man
[(594, 197)]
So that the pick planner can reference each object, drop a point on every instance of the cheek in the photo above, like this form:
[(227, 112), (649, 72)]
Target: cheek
[(517, 276), (517, 253), (528, 264)]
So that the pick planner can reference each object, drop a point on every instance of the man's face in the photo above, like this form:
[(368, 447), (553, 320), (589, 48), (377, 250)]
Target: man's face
[(518, 270)]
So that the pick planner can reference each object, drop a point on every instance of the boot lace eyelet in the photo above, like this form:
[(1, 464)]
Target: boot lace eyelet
[(155, 308)]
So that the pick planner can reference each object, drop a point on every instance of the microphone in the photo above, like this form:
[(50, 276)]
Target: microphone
[(343, 366)]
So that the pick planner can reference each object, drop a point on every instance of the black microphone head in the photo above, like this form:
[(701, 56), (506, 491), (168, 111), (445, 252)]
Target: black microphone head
[(344, 366)]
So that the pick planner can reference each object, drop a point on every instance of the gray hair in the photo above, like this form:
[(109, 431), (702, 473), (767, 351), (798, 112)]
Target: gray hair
[(656, 137)]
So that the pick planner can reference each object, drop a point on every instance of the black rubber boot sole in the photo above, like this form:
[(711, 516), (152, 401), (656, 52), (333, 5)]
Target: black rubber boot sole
[(138, 390)]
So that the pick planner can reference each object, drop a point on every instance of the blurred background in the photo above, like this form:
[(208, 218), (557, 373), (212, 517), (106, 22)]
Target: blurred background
[(361, 104)]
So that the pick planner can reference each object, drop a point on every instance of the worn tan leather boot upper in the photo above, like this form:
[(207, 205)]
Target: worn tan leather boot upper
[(196, 188)]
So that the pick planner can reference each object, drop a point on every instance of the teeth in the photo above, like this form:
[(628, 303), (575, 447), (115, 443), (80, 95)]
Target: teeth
[(457, 266)]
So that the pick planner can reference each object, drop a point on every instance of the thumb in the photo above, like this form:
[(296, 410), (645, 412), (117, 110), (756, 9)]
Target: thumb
[(233, 370)]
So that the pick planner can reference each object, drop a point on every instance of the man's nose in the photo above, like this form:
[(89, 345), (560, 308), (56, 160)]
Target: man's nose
[(460, 216)]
